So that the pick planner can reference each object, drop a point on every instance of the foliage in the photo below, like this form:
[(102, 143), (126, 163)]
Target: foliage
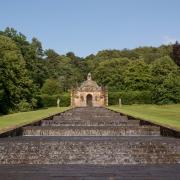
[(130, 97), (51, 100), (51, 86), (15, 83), (176, 53), (137, 76), (166, 84), (28, 73), (110, 73), (24, 106)]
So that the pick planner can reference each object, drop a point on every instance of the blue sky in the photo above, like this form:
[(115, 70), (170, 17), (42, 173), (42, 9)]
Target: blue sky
[(87, 26)]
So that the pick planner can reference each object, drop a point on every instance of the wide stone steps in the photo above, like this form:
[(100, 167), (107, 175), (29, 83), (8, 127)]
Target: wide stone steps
[(91, 131), (90, 143), (89, 150)]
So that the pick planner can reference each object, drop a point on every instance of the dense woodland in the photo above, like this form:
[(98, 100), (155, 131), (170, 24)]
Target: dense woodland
[(31, 77)]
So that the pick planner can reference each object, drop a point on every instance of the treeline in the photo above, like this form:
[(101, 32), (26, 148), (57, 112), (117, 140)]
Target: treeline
[(31, 77)]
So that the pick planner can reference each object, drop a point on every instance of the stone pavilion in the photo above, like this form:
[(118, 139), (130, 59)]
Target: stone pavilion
[(89, 94)]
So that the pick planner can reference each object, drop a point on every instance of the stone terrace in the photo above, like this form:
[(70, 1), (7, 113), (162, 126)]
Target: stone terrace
[(83, 140)]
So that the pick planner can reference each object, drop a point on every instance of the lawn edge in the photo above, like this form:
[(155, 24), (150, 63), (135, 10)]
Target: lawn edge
[(144, 119), (4, 130)]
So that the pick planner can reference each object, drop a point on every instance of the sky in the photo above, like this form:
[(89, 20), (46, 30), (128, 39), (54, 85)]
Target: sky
[(88, 26)]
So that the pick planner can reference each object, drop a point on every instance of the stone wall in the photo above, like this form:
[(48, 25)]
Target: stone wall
[(79, 99)]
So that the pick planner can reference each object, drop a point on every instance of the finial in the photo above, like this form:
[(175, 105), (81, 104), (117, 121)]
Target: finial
[(89, 76)]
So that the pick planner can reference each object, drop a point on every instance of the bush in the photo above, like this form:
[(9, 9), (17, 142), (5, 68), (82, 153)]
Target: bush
[(46, 100), (130, 97), (24, 106)]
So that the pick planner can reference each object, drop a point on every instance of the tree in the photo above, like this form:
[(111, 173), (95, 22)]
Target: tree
[(166, 81), (140, 69), (176, 53), (71, 55), (137, 76), (51, 87), (51, 54), (32, 53), (110, 73), (18, 38), (37, 47), (14, 80)]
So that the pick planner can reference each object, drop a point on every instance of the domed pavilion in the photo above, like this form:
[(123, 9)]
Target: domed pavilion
[(89, 94)]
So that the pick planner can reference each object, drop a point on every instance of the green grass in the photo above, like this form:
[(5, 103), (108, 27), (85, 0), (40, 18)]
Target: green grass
[(12, 121), (165, 115)]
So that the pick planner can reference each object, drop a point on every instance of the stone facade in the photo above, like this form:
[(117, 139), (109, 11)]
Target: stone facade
[(89, 94)]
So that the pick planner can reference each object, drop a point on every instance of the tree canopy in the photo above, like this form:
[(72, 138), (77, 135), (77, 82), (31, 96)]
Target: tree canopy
[(27, 71)]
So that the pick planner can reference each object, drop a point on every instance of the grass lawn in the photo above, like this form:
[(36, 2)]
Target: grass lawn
[(12, 121), (166, 115)]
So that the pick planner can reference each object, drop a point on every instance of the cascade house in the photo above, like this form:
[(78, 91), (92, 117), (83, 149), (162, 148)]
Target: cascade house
[(89, 94)]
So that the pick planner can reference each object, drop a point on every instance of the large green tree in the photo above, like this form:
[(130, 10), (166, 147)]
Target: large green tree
[(110, 73), (166, 81), (137, 76), (14, 80)]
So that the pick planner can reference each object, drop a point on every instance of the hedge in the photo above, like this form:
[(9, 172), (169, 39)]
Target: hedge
[(127, 97), (45, 100), (130, 97)]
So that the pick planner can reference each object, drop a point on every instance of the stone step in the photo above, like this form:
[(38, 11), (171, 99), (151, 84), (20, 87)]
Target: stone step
[(90, 150), (106, 112), (89, 123), (88, 117), (91, 131), (90, 172), (90, 109), (67, 115)]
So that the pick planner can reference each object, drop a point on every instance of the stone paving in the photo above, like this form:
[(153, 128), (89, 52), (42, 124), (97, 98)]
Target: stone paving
[(90, 143)]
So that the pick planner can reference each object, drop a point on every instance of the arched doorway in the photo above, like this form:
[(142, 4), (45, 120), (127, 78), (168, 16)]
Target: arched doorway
[(89, 100)]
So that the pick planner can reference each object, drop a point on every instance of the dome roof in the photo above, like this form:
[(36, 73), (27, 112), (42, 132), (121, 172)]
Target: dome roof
[(89, 84)]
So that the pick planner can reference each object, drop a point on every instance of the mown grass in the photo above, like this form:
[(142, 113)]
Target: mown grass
[(12, 121), (165, 115)]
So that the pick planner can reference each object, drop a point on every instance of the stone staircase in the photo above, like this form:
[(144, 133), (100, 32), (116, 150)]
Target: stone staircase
[(90, 122), (90, 136)]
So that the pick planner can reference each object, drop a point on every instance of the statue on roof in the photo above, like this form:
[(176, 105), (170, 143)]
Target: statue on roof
[(89, 76)]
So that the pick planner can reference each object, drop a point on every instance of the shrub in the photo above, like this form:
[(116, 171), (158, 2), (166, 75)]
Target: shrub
[(24, 106)]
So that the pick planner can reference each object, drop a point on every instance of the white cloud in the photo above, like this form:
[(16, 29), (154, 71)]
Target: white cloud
[(169, 40)]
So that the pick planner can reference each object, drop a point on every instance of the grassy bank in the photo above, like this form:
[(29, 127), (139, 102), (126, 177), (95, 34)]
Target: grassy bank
[(166, 115), (14, 120)]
